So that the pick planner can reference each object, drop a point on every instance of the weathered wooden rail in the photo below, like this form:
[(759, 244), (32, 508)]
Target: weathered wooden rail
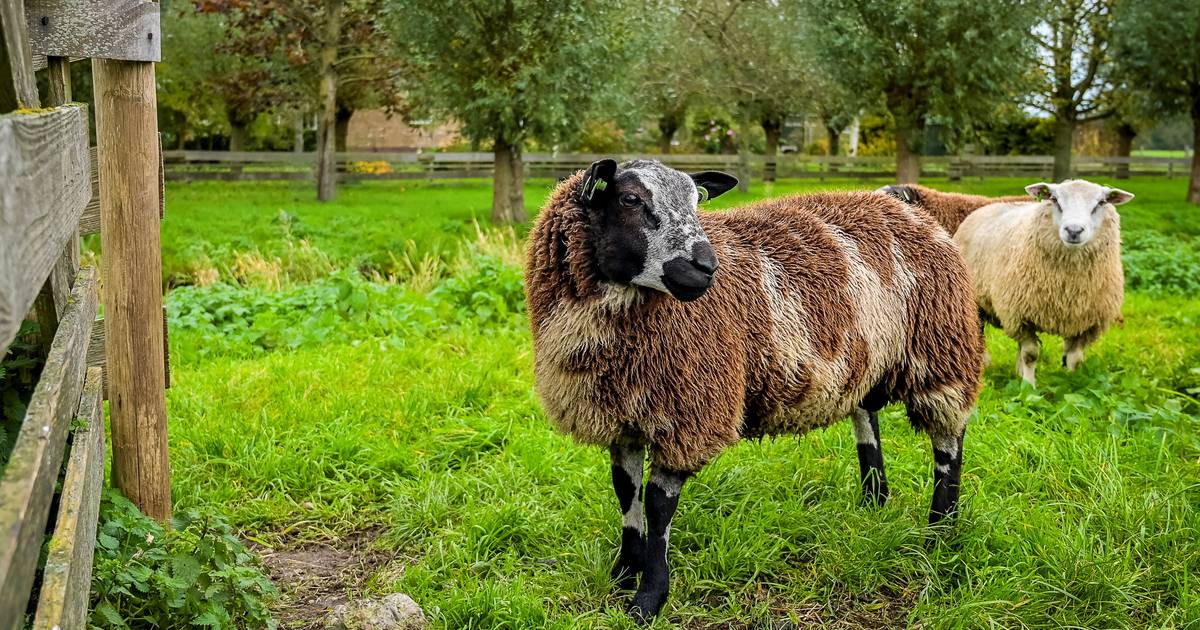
[(52, 188), (234, 166)]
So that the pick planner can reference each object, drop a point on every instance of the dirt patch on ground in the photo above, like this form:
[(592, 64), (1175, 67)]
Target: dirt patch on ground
[(314, 577)]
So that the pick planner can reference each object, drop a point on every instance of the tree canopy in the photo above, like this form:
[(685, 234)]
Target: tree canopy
[(511, 71), (950, 59)]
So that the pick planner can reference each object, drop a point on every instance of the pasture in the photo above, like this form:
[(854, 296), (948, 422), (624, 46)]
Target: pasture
[(352, 388)]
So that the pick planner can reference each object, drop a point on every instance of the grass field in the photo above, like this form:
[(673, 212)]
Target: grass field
[(356, 378)]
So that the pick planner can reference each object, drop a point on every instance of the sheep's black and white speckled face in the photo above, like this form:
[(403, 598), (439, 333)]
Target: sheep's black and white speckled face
[(647, 231)]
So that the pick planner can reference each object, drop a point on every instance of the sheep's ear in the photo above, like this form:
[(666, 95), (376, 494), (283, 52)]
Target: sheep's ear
[(597, 182), (907, 194), (1116, 196), (1040, 191), (712, 184)]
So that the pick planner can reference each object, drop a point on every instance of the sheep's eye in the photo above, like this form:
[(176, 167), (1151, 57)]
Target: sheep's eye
[(630, 200), (1097, 208)]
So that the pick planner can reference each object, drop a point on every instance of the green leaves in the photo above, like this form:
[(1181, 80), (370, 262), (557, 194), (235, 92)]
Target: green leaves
[(197, 574), (925, 58), (1157, 263), (516, 70)]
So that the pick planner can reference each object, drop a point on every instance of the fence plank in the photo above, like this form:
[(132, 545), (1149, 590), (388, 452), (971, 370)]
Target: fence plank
[(28, 483), (18, 88), (261, 165), (45, 187), (100, 29), (67, 580)]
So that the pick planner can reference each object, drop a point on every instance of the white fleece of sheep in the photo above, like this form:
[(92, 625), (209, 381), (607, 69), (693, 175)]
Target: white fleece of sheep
[(1024, 275)]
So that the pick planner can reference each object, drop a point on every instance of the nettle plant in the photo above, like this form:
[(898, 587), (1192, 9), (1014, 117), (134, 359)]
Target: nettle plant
[(197, 574)]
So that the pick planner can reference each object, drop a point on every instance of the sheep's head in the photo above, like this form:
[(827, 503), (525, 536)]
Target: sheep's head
[(645, 226), (1078, 208)]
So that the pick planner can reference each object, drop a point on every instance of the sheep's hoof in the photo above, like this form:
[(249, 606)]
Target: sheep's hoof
[(645, 607), (626, 576)]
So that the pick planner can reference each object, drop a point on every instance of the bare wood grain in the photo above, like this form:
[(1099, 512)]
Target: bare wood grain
[(44, 159), (127, 138), (67, 577), (18, 88), (95, 353), (100, 29), (27, 486)]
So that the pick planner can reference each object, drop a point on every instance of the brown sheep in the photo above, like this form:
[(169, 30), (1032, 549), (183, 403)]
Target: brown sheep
[(659, 328), (948, 209)]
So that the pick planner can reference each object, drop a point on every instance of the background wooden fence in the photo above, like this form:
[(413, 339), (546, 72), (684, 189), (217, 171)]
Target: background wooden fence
[(225, 165), (49, 182)]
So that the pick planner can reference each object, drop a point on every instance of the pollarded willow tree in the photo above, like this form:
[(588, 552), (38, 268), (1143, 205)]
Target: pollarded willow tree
[(1073, 78), (1157, 44), (950, 59), (674, 73), (327, 47), (514, 71), (756, 51)]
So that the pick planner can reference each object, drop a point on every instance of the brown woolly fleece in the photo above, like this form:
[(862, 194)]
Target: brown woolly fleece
[(949, 209), (1027, 279), (818, 299)]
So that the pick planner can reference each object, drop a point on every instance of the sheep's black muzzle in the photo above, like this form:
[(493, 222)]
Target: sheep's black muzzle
[(688, 278)]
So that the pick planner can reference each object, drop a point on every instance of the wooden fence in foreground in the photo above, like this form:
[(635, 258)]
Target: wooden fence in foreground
[(225, 165), (53, 187)]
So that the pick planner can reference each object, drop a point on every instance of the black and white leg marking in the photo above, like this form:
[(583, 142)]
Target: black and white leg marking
[(947, 473), (627, 465), (662, 497), (870, 456)]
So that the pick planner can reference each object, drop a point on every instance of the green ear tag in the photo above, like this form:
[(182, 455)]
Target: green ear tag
[(703, 194), (601, 184)]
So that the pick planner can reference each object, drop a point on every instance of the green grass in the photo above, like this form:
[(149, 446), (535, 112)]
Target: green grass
[(344, 405)]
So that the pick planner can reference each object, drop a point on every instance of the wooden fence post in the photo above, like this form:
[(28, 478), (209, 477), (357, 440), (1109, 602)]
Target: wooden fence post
[(127, 139)]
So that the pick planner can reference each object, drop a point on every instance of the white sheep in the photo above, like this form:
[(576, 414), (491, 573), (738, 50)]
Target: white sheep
[(1049, 266)]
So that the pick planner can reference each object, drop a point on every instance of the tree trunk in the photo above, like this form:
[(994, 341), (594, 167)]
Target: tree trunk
[(508, 192), (668, 124), (1064, 134), (327, 127), (298, 135), (237, 142), (743, 153), (237, 136), (1194, 187), (1125, 135), (908, 161), (342, 127), (835, 136), (773, 129)]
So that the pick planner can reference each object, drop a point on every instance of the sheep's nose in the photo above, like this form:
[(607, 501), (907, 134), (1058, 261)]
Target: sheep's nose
[(1073, 231), (704, 258)]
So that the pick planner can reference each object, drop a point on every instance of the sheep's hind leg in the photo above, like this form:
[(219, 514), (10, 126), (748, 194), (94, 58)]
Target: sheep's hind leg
[(870, 456), (1027, 356), (1073, 348), (628, 463), (662, 497), (947, 474)]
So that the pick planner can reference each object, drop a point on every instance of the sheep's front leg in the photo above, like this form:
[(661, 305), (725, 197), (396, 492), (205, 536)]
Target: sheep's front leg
[(628, 462), (662, 497), (947, 474), (1027, 356), (1073, 348), (870, 456)]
